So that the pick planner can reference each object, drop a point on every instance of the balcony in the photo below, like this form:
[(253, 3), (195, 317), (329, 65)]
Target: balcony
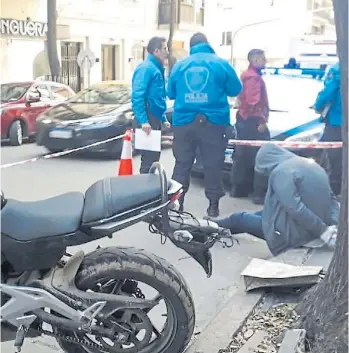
[(187, 15)]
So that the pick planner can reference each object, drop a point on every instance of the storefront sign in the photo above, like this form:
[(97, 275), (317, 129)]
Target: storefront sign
[(22, 28)]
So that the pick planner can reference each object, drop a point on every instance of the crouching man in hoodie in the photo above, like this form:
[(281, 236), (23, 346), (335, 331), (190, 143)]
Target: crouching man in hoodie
[(300, 208)]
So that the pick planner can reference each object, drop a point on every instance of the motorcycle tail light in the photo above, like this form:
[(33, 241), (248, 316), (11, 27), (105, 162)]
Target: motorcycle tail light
[(176, 196)]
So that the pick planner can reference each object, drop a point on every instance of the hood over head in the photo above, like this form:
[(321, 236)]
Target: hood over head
[(270, 156)]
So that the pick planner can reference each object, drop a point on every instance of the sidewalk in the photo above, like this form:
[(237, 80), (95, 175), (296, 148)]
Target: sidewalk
[(217, 334)]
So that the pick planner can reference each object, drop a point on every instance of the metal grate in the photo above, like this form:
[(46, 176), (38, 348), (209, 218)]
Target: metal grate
[(70, 70)]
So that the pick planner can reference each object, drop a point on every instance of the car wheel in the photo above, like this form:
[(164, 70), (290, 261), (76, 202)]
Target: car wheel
[(16, 133)]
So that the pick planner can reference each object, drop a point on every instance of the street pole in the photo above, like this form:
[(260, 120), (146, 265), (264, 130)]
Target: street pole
[(232, 59), (52, 38)]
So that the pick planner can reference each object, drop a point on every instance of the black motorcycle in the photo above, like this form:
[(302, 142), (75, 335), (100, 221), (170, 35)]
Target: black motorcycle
[(93, 302)]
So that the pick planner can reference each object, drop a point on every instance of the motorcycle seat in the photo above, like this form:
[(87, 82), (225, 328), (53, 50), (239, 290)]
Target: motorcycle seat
[(58, 215), (111, 196)]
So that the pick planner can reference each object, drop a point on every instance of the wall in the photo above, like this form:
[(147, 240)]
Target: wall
[(115, 22), (21, 9), (14, 49)]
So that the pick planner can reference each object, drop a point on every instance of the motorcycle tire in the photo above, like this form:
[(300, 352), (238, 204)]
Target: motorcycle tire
[(139, 265)]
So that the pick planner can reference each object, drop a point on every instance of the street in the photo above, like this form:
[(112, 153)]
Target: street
[(46, 178)]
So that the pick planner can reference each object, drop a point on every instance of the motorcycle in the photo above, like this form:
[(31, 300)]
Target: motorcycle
[(93, 302)]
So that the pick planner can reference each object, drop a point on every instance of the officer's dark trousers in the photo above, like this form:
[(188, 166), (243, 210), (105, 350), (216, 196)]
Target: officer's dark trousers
[(149, 157), (211, 141), (243, 177), (334, 133)]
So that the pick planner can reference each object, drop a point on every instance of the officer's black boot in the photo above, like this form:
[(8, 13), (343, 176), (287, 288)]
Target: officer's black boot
[(213, 209)]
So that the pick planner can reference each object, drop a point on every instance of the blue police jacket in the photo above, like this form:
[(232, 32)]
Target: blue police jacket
[(331, 94), (148, 90), (201, 84)]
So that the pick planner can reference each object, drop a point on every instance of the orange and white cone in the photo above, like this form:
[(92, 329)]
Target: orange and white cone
[(126, 167)]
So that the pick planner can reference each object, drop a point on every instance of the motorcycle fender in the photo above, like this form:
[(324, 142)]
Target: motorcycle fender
[(63, 280), (67, 274)]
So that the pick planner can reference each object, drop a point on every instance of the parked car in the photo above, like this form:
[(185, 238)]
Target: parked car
[(97, 113), (23, 102), (291, 117)]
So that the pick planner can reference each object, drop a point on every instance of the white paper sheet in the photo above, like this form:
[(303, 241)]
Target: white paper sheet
[(151, 142)]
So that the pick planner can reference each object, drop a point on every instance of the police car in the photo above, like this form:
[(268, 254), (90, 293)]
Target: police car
[(291, 92)]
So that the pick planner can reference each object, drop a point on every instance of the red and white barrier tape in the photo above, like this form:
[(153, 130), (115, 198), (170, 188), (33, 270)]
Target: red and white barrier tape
[(63, 153), (289, 144), (286, 144)]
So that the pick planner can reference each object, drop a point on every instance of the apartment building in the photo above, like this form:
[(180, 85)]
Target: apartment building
[(114, 31)]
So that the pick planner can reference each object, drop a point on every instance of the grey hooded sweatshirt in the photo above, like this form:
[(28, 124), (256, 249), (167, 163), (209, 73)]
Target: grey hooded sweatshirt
[(299, 204)]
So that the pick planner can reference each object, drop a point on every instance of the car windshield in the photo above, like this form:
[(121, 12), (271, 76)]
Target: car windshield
[(104, 94), (11, 92), (291, 93)]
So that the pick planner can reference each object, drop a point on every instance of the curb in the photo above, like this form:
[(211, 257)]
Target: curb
[(218, 332), (294, 342)]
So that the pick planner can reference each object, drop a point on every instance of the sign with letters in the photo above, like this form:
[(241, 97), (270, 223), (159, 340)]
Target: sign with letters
[(13, 27)]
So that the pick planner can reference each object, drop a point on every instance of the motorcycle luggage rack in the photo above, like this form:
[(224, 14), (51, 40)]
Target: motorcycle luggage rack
[(126, 219)]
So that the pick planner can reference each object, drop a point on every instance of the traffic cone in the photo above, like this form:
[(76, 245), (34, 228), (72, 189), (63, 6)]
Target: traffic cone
[(125, 167)]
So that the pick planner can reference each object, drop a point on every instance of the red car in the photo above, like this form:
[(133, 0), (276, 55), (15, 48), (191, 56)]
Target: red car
[(23, 102)]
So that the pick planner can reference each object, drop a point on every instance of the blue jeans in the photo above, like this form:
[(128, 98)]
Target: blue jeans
[(243, 222)]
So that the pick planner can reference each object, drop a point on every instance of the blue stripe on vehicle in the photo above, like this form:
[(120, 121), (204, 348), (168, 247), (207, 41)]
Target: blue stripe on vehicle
[(301, 128)]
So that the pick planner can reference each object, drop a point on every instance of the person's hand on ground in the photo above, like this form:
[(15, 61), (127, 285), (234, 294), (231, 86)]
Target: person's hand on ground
[(146, 128), (329, 236)]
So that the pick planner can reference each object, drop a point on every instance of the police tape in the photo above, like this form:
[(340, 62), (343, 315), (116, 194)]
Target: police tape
[(286, 144), (255, 143), (63, 153)]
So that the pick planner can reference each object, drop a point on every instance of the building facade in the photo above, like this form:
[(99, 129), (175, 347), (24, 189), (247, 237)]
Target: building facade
[(23, 30), (281, 27), (114, 31)]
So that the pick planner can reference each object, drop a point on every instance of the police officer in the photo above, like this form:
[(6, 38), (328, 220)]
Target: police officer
[(329, 104), (149, 95), (200, 85)]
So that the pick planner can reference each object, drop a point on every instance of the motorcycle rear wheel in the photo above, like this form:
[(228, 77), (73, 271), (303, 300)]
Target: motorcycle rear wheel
[(138, 265)]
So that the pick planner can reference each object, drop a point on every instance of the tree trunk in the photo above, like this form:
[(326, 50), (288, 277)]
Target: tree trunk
[(52, 38), (324, 312), (171, 59)]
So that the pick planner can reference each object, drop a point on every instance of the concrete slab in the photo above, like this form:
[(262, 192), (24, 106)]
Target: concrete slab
[(251, 345), (293, 342), (320, 257)]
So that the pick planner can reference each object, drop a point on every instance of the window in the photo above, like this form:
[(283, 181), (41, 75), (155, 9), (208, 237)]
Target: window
[(226, 38), (60, 92), (229, 38), (11, 92), (43, 90), (104, 94)]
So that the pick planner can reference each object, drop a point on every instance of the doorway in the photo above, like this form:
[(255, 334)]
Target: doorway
[(71, 72), (110, 62)]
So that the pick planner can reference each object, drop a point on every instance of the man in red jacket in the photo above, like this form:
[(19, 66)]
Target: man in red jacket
[(251, 124)]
